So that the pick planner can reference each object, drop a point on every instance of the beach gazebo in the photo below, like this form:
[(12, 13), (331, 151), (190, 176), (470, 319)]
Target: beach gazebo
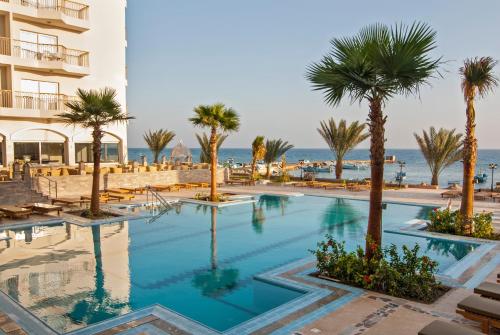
[(181, 154)]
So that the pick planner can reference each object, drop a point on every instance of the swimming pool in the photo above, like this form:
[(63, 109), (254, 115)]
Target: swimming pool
[(198, 261)]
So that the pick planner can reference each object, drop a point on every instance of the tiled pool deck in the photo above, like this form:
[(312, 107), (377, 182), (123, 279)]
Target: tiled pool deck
[(327, 307)]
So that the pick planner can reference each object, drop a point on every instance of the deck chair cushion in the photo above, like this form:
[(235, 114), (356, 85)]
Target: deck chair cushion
[(489, 290), (482, 306), (439, 327)]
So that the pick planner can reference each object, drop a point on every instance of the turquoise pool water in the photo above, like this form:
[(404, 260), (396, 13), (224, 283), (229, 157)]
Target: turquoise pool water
[(197, 261)]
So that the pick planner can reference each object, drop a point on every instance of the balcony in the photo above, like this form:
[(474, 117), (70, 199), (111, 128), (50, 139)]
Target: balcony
[(59, 13), (44, 57), (33, 105)]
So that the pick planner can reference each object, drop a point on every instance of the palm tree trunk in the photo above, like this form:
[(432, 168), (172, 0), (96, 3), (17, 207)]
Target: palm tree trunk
[(254, 162), (96, 147), (377, 152), (268, 172), (435, 178), (338, 168), (470, 156), (213, 164), (156, 155)]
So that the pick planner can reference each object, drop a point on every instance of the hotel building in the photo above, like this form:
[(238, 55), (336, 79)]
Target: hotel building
[(49, 49)]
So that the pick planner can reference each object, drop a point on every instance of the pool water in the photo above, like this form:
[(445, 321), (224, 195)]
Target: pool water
[(198, 261)]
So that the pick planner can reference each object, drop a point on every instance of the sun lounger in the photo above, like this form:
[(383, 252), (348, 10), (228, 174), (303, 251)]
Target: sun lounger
[(15, 212), (438, 327), (120, 197), (334, 186), (488, 290), (134, 189), (451, 194), (43, 208), (160, 188), (118, 191), (484, 310), (69, 202), (103, 197), (238, 182)]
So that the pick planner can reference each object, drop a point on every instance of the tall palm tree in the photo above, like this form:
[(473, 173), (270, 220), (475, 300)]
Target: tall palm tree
[(440, 148), (217, 117), (95, 109), (157, 141), (275, 149), (477, 80), (374, 66), (341, 139), (204, 142), (258, 152)]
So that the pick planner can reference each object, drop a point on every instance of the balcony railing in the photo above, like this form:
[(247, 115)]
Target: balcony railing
[(34, 101), (45, 52), (69, 8)]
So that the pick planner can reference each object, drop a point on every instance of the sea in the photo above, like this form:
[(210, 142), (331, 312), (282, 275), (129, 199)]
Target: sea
[(415, 166)]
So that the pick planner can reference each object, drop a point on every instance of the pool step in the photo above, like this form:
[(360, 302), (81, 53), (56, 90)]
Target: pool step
[(18, 192)]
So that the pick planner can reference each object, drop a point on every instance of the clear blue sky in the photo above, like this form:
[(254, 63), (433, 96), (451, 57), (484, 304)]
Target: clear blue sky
[(252, 56)]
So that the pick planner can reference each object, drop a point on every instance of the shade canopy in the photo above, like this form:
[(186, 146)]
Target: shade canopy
[(181, 154)]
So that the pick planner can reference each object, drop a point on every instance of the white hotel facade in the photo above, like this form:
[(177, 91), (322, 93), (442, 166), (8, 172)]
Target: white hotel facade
[(48, 49)]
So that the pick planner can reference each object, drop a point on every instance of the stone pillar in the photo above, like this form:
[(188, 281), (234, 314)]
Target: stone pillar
[(17, 175), (144, 160), (70, 153), (81, 168)]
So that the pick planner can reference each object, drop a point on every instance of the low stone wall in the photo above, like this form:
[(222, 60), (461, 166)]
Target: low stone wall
[(75, 186)]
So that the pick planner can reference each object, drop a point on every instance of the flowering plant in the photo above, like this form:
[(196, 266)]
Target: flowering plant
[(401, 273)]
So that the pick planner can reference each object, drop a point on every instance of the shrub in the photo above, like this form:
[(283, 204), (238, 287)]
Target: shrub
[(405, 274), (450, 222)]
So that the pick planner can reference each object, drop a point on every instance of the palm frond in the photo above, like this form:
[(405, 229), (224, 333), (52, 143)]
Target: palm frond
[(216, 116), (477, 76), (158, 140), (342, 138), (275, 149), (377, 63), (204, 142)]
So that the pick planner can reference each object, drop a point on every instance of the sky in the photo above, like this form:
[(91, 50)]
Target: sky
[(252, 56)]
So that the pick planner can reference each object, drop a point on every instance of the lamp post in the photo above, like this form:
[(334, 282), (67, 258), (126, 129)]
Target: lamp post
[(401, 166), (492, 166)]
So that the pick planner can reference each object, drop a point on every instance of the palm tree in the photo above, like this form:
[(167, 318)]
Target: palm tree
[(341, 139), (258, 152), (216, 117), (95, 109), (373, 66), (157, 141), (477, 79), (440, 149), (204, 142), (275, 149)]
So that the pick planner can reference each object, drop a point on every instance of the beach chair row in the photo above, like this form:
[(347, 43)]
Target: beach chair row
[(483, 307)]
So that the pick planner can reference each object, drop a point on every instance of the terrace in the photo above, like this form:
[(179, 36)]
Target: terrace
[(51, 58)]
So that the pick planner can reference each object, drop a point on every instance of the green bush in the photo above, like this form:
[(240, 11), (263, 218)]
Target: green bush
[(405, 275), (450, 222)]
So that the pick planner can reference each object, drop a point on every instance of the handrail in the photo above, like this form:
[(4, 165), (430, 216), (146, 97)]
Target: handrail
[(50, 184), (70, 8), (157, 196), (29, 100), (43, 52)]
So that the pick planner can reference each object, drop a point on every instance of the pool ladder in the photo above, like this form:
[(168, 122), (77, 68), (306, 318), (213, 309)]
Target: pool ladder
[(167, 206)]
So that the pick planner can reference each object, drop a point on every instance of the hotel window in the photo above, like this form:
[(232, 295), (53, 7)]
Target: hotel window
[(40, 152), (37, 46), (109, 152), (38, 95)]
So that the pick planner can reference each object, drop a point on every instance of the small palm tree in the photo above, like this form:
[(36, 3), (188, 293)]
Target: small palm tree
[(157, 141), (217, 117), (341, 139), (477, 80), (440, 148), (374, 66), (95, 109), (258, 152), (274, 150), (204, 142)]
